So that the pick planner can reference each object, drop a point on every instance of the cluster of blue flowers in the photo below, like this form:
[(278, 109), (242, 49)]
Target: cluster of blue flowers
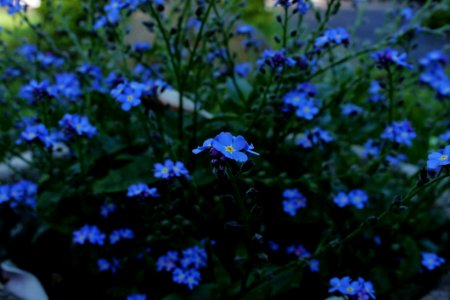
[(185, 269), (114, 9), (111, 265), (249, 41), (314, 137), (23, 192), (389, 57), (67, 86), (46, 60), (434, 75), (439, 159), (300, 6), (35, 92), (88, 233), (275, 60), (38, 133), (332, 37), (361, 289), (107, 209), (170, 170), (142, 191), (357, 198), (304, 105), (121, 234), (431, 260), (293, 201), (400, 132), (76, 124), (228, 146), (129, 93), (13, 6)]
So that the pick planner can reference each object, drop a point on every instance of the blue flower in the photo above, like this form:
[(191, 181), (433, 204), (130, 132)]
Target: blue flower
[(35, 92), (75, 124), (167, 262), (439, 159), (293, 201), (142, 190), (142, 46), (349, 109), (363, 289), (38, 133), (190, 277), (233, 147), (137, 297), (366, 290), (307, 110), (431, 260), (313, 137), (49, 60), (4, 193), (341, 199), (243, 69), (121, 234), (445, 137), (89, 234), (23, 192), (276, 60), (374, 91), (358, 198), (105, 265), (335, 36), (170, 170), (314, 265), (107, 208), (129, 94), (395, 160), (67, 85), (371, 149), (298, 250), (400, 132), (389, 57), (13, 6), (244, 29), (195, 256), (433, 59)]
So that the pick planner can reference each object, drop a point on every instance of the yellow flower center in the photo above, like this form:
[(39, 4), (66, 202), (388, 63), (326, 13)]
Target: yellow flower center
[(357, 199), (164, 170), (31, 135), (130, 98), (443, 157), (296, 99), (349, 289), (79, 126), (229, 149), (306, 109)]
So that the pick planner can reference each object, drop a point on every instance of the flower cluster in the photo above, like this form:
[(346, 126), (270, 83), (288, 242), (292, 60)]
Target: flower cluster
[(67, 86), (434, 75), (389, 57), (13, 6), (88, 233), (275, 60), (35, 92), (129, 93), (170, 170), (113, 11), (23, 192), (357, 198), (185, 269), (300, 6), (108, 265), (314, 137), (400, 132), (120, 234), (431, 260), (304, 105), (142, 191), (107, 208), (225, 145), (75, 124), (360, 288), (439, 159), (38, 133), (293, 201), (331, 37)]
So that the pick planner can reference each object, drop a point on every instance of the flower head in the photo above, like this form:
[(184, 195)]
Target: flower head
[(439, 159), (431, 260)]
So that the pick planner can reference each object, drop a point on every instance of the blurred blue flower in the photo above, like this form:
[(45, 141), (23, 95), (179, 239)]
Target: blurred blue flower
[(120, 234), (276, 60), (170, 169), (341, 199), (439, 159), (90, 234), (400, 132), (293, 201), (431, 260), (137, 297), (142, 190), (358, 198), (389, 57), (76, 124), (167, 262), (350, 109), (107, 208)]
